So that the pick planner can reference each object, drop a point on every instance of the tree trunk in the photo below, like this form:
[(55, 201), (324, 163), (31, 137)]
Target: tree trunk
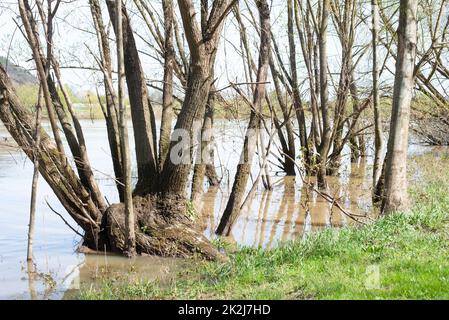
[(295, 86), (37, 139), (243, 169), (357, 140), (142, 114), (26, 16), (378, 136), (111, 114), (203, 49), (167, 94), (324, 95), (174, 176), (203, 154), (395, 193)]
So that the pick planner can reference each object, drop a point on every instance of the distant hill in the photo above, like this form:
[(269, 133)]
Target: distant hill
[(18, 75)]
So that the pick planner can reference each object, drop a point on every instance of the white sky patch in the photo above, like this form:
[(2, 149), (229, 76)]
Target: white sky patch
[(74, 39)]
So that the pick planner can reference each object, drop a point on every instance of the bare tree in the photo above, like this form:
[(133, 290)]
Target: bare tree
[(142, 114), (324, 95), (110, 111), (126, 161), (243, 169), (154, 217), (395, 197), (167, 95), (297, 102), (203, 51), (378, 136), (110, 227)]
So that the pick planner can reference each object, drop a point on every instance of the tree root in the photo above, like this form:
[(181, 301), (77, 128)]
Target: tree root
[(163, 228)]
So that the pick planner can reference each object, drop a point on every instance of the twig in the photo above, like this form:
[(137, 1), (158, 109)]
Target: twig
[(65, 221)]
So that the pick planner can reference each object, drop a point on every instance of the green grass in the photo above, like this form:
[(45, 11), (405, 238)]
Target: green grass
[(410, 251)]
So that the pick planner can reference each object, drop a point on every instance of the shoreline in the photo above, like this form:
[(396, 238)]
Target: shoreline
[(400, 256)]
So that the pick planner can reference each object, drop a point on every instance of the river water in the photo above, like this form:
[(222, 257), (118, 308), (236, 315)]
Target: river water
[(286, 212)]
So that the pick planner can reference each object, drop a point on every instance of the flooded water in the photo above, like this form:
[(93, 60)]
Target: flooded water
[(286, 212)]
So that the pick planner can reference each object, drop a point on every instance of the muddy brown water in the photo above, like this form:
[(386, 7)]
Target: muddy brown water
[(286, 212)]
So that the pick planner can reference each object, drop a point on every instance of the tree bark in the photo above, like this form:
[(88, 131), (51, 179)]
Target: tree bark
[(37, 139), (395, 196), (203, 157), (142, 114), (167, 94), (202, 58), (25, 15), (53, 165), (111, 114), (378, 136), (130, 242)]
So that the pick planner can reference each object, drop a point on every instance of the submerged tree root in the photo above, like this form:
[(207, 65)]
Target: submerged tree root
[(162, 227)]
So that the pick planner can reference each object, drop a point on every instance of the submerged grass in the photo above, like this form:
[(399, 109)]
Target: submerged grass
[(400, 256)]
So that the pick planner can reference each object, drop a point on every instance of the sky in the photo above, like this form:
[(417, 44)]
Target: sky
[(74, 42)]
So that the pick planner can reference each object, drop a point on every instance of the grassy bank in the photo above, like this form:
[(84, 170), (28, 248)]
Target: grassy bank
[(402, 256)]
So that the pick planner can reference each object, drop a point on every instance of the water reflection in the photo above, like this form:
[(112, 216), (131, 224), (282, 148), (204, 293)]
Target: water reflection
[(112, 268), (291, 208)]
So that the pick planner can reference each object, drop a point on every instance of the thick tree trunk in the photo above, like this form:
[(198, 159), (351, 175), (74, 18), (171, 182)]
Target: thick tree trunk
[(203, 48), (162, 228), (174, 176), (395, 193), (142, 114), (161, 224)]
